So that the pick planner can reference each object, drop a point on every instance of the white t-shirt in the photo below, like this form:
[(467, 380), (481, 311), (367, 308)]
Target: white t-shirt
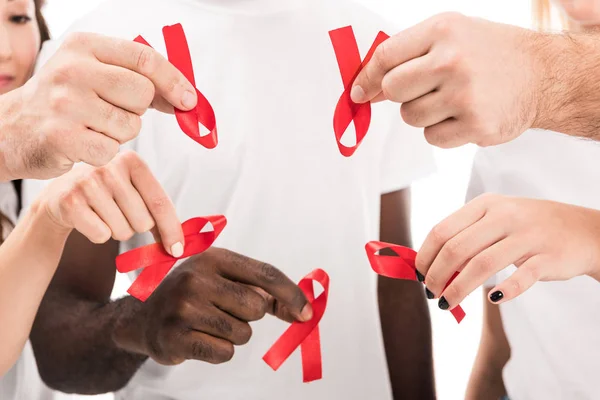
[(291, 199), (22, 381), (553, 327)]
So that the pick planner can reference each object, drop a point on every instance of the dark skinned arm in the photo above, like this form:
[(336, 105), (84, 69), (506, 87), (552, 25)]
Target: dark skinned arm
[(404, 313), (72, 333)]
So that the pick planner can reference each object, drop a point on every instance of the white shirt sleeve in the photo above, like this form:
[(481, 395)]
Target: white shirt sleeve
[(406, 155)]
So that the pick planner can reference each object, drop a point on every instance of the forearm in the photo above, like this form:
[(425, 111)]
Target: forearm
[(569, 86), (406, 329), (84, 358), (28, 259)]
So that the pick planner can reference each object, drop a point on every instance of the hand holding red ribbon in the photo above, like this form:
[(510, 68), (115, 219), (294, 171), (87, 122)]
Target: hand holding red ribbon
[(304, 334), (179, 55), (401, 267), (346, 111), (157, 262)]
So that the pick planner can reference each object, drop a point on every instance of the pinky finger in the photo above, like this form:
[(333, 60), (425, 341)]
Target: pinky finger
[(520, 281), (90, 225)]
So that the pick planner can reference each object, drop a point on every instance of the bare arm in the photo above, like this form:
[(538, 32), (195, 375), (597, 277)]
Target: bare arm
[(28, 260), (494, 351), (404, 314), (72, 334)]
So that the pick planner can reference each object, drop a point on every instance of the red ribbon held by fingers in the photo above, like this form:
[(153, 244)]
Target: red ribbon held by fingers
[(346, 111), (304, 334), (157, 262), (179, 55), (401, 267)]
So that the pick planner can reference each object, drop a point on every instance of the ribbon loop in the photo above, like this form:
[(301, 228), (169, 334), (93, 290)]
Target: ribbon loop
[(401, 267), (156, 262), (178, 53), (350, 65), (304, 334)]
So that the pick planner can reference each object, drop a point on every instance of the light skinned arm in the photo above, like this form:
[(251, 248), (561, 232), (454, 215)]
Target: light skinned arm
[(28, 260), (468, 80), (403, 310), (486, 380)]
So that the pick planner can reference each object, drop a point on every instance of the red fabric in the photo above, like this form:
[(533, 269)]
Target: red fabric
[(349, 63), (401, 267), (156, 262), (304, 334), (179, 55)]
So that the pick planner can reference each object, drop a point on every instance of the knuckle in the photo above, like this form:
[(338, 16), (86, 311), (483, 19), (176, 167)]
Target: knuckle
[(453, 293), (143, 224), (202, 351), (269, 274), (411, 113), (77, 39), (123, 234), (535, 272), (225, 353), (452, 250), (158, 203), (244, 334), (445, 24), (100, 152), (485, 263), (216, 323), (146, 61), (147, 93), (439, 234), (60, 100)]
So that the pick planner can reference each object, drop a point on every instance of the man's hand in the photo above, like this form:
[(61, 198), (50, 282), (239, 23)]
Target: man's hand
[(202, 309), (547, 241), (116, 200), (84, 103), (465, 80)]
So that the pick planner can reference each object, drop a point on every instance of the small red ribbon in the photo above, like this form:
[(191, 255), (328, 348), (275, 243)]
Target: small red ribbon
[(350, 65), (401, 267), (304, 334), (179, 55), (157, 262)]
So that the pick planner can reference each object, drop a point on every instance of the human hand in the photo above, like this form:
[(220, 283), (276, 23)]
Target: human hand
[(85, 102), (116, 200), (202, 309), (465, 80), (545, 240)]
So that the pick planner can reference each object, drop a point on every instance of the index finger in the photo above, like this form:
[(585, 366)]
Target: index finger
[(404, 46), (167, 79), (160, 207), (246, 270)]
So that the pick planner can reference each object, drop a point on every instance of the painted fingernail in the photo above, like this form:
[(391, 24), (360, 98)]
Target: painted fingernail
[(420, 276), (307, 313), (189, 99), (496, 296), (429, 294), (443, 303), (357, 94), (177, 250)]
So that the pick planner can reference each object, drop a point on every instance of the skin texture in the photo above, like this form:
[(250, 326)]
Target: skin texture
[(404, 314), (114, 200), (468, 80), (83, 103)]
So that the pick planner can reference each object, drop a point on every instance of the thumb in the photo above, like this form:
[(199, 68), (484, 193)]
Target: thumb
[(277, 309)]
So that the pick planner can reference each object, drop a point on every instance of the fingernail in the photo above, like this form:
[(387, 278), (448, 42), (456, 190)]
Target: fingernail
[(429, 294), (307, 313), (496, 296), (189, 99), (357, 94), (420, 276), (443, 303), (177, 250)]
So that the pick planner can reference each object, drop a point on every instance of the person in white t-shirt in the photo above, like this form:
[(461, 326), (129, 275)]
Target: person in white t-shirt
[(270, 72), (541, 343)]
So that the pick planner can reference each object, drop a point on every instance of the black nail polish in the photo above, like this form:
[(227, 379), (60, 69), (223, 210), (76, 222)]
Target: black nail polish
[(429, 294), (443, 303), (496, 296), (420, 276)]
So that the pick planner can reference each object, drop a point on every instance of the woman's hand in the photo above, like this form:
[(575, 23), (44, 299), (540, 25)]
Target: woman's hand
[(116, 200), (83, 103), (546, 240)]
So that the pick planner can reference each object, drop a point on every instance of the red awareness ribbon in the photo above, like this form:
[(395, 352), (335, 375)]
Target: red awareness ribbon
[(346, 111), (304, 334), (401, 267), (156, 262), (179, 55)]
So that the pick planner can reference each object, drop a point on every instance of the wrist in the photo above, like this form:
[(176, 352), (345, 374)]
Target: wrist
[(10, 106), (128, 333), (41, 216)]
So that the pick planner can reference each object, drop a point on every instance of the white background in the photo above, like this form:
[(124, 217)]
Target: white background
[(433, 198)]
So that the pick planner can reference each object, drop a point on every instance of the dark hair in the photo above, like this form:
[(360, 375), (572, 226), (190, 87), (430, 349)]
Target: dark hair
[(44, 31)]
